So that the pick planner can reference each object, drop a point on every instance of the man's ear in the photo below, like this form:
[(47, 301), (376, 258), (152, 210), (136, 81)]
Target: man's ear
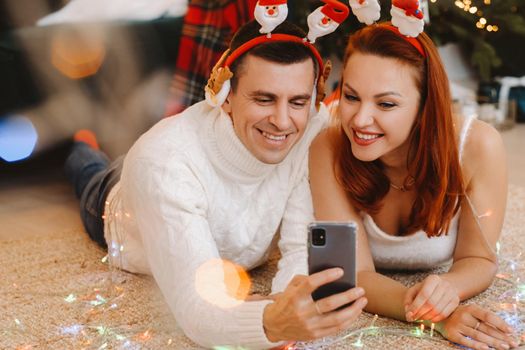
[(227, 106)]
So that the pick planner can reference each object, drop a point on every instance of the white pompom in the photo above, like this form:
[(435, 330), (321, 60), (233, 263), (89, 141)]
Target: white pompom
[(219, 99)]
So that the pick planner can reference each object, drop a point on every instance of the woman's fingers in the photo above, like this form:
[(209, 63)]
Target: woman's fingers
[(497, 334), (424, 294), (481, 336), (492, 319), (467, 342), (447, 311), (443, 308), (477, 328), (410, 295), (432, 305)]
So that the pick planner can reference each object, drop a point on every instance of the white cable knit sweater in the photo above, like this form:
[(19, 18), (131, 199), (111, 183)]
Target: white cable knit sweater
[(190, 192)]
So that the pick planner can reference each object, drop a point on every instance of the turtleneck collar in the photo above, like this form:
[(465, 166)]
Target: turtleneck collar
[(229, 154)]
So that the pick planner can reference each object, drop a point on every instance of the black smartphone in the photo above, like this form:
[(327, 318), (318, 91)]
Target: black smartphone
[(333, 244)]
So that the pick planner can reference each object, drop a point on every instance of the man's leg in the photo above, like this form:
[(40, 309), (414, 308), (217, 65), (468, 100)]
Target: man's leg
[(93, 177)]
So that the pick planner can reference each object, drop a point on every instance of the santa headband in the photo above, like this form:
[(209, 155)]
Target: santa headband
[(407, 18), (269, 14), (271, 2)]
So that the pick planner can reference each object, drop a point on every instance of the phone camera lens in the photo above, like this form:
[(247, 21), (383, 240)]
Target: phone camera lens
[(318, 237)]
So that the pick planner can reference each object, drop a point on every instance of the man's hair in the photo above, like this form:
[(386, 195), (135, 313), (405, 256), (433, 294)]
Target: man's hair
[(283, 52)]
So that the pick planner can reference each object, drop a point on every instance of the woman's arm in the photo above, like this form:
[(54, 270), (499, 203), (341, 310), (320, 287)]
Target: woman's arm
[(331, 203), (474, 266), (485, 170), (386, 296)]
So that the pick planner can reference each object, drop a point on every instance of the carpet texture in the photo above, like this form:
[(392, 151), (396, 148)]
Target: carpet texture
[(58, 293)]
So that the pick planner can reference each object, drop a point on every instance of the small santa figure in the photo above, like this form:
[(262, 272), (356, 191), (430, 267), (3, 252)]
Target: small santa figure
[(366, 11), (270, 13), (325, 19), (407, 17)]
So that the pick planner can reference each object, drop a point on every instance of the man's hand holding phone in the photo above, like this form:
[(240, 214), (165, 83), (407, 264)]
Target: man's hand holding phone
[(294, 315)]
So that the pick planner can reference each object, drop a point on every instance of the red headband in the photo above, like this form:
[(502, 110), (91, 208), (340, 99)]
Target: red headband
[(275, 37), (412, 41)]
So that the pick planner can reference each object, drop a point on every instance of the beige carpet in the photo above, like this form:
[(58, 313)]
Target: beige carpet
[(57, 293)]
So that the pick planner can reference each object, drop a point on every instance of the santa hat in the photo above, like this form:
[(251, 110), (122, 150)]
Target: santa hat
[(271, 2), (411, 7), (335, 10)]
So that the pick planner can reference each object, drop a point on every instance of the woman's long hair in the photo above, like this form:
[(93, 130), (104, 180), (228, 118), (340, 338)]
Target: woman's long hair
[(432, 160)]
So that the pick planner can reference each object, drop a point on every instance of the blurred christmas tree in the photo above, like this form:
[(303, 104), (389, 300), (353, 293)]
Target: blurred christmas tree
[(490, 32)]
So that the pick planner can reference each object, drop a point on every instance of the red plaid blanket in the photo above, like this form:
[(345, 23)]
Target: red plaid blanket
[(207, 30)]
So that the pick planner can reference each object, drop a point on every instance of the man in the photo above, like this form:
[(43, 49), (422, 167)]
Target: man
[(208, 189)]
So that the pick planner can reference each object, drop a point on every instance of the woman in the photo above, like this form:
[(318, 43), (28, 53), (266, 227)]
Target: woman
[(399, 164)]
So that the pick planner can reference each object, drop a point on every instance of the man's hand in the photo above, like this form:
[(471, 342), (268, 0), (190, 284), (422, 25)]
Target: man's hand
[(433, 299), (477, 328), (295, 316), (258, 297)]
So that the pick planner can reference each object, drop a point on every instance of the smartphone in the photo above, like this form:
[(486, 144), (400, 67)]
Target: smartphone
[(333, 244)]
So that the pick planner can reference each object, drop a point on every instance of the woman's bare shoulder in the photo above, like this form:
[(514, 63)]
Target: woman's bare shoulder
[(483, 146), (322, 145)]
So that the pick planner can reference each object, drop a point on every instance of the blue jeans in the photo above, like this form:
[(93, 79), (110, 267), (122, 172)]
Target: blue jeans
[(93, 176)]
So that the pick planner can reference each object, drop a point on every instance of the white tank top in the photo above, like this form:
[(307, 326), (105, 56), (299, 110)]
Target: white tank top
[(416, 251)]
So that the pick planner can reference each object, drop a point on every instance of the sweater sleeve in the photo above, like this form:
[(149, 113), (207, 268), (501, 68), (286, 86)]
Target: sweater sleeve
[(169, 206), (293, 241)]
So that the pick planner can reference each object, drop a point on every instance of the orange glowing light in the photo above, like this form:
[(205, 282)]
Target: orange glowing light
[(77, 54), (487, 214), (144, 336), (24, 347), (222, 283), (507, 306)]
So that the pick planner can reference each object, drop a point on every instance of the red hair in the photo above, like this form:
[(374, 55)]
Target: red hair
[(432, 160)]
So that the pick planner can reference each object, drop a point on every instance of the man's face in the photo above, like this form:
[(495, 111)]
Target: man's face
[(270, 106)]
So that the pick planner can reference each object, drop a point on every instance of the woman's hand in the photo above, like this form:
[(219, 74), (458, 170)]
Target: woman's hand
[(477, 328), (295, 316), (433, 299)]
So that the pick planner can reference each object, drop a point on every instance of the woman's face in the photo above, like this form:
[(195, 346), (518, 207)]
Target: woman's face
[(379, 104)]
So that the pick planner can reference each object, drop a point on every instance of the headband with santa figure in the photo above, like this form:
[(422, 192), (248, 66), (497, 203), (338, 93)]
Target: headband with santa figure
[(407, 18), (407, 21), (269, 14)]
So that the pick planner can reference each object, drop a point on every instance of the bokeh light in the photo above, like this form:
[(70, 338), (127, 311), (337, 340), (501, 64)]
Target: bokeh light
[(18, 138), (77, 54), (222, 283)]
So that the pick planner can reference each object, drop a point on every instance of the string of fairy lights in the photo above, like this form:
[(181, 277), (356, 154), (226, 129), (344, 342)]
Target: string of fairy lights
[(475, 10), (99, 331), (510, 306)]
